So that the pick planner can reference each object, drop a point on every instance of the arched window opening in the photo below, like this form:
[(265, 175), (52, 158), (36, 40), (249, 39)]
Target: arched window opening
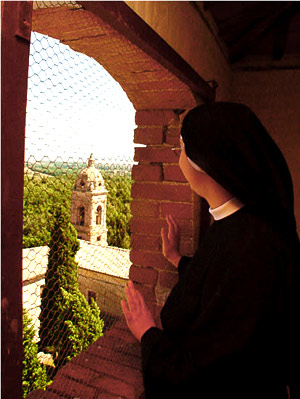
[(99, 215), (91, 295), (71, 98), (81, 216)]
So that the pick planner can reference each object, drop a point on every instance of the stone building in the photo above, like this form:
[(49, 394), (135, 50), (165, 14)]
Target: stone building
[(89, 199)]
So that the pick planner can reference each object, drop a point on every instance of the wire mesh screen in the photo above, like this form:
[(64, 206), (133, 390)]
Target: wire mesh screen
[(77, 185), (54, 4)]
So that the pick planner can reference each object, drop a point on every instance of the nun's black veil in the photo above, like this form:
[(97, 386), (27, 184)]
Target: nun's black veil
[(231, 145)]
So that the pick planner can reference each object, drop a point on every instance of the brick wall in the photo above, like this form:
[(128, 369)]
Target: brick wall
[(159, 189)]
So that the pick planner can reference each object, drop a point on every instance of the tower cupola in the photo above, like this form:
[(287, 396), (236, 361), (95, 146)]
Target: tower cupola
[(89, 200)]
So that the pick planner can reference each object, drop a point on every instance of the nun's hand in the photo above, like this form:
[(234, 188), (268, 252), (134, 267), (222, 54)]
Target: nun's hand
[(138, 317), (170, 241)]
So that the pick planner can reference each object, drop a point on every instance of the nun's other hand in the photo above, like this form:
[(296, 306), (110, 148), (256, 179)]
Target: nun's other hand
[(138, 317), (170, 241)]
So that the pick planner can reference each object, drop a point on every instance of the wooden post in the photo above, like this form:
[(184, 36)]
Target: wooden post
[(15, 43)]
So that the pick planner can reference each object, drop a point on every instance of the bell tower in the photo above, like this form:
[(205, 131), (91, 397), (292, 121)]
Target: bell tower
[(89, 199)]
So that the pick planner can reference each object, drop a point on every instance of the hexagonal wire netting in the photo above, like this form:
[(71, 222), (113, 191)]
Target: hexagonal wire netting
[(76, 205)]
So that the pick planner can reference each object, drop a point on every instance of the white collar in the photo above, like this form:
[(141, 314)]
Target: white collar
[(226, 209)]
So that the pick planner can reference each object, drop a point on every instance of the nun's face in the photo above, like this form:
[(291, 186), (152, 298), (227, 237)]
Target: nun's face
[(198, 180)]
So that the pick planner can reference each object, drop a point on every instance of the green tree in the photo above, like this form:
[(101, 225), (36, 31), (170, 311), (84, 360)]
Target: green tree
[(82, 325), (34, 374), (118, 209), (43, 195), (64, 309)]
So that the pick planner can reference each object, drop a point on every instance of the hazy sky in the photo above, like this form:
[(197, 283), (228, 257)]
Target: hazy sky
[(74, 107)]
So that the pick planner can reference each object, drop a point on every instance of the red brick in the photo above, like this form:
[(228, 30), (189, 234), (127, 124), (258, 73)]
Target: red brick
[(148, 293), (144, 208), (154, 117), (161, 191), (146, 226), (126, 352), (144, 275), (78, 372), (152, 84), (150, 259), (155, 154), (112, 368), (149, 135), (172, 136), (147, 172), (105, 395), (41, 394), (113, 386), (177, 210), (173, 173), (145, 242), (153, 226), (119, 340), (64, 385), (168, 279)]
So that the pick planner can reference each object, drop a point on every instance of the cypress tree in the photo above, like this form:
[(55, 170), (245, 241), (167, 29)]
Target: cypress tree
[(82, 325), (68, 323)]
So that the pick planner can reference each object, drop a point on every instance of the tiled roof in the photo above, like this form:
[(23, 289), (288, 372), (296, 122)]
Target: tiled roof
[(109, 369), (108, 260)]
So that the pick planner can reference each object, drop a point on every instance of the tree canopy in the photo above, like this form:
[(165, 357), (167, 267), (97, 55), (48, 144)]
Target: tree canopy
[(68, 323)]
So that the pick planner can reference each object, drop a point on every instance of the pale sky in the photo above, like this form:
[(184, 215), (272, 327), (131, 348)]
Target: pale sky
[(74, 107)]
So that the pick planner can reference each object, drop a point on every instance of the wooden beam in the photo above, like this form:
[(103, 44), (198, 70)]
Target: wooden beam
[(15, 36), (122, 18)]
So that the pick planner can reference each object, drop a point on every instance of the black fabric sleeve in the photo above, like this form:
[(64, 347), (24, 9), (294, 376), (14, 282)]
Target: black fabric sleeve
[(184, 261), (225, 326)]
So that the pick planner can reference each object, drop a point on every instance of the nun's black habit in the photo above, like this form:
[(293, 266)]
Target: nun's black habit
[(231, 323)]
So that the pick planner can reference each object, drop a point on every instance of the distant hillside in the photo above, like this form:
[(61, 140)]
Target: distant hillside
[(58, 168), (33, 173)]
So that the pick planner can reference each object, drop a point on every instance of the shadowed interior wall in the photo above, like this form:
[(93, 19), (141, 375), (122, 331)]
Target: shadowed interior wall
[(275, 97)]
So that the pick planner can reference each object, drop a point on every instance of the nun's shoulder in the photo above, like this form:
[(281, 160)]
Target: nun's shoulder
[(249, 229)]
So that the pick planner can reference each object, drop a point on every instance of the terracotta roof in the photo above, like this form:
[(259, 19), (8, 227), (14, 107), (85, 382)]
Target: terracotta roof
[(108, 260), (109, 369)]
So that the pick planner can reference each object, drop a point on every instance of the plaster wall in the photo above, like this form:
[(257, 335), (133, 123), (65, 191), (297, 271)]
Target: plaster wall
[(32, 301), (275, 97), (109, 289), (192, 34)]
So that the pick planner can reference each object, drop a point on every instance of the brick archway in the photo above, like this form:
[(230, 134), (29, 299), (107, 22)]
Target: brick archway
[(158, 83)]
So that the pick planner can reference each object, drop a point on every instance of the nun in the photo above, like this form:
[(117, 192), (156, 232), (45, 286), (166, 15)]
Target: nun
[(230, 326)]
